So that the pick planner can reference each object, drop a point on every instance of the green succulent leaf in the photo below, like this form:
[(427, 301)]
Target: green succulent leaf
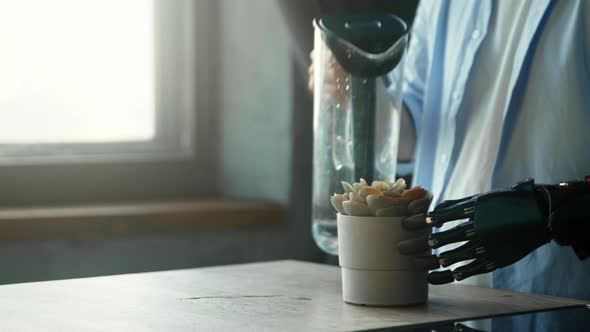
[(358, 186), (379, 202), (337, 201), (347, 187), (399, 185), (392, 194), (380, 185), (353, 208)]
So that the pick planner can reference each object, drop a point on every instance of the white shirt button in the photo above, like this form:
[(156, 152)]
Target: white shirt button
[(456, 96), (444, 158), (475, 35)]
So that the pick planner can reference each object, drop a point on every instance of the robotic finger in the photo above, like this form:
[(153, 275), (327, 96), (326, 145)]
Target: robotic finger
[(416, 222), (440, 277), (470, 250), (415, 246), (450, 202), (461, 210), (478, 266), (427, 263), (445, 211), (463, 232), (420, 205)]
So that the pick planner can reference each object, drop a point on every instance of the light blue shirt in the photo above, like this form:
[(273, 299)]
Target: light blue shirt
[(545, 131)]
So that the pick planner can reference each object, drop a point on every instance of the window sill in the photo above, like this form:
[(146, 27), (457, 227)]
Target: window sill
[(75, 222)]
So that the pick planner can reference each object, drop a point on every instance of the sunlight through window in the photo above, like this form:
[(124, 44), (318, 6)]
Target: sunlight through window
[(77, 71)]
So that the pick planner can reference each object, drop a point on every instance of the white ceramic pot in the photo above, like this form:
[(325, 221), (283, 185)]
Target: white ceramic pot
[(373, 271)]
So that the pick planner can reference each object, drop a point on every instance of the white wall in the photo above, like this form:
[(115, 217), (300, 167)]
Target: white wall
[(254, 100)]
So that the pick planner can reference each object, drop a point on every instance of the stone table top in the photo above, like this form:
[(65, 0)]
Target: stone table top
[(273, 296)]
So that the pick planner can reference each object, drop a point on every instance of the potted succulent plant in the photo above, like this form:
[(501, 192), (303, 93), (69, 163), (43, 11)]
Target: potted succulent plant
[(369, 228)]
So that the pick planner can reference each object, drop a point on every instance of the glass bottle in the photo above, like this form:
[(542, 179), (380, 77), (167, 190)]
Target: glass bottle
[(357, 106)]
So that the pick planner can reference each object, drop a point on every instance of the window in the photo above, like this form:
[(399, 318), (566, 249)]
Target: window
[(90, 84), (103, 99)]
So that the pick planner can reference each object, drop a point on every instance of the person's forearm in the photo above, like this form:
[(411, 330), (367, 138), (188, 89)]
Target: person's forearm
[(298, 16), (408, 136)]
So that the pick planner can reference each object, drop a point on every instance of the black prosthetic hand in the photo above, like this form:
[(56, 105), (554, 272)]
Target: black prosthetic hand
[(503, 227)]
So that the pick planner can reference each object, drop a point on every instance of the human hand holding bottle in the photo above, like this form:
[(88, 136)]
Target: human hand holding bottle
[(335, 80)]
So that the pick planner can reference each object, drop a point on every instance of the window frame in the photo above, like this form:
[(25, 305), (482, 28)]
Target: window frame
[(172, 166)]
